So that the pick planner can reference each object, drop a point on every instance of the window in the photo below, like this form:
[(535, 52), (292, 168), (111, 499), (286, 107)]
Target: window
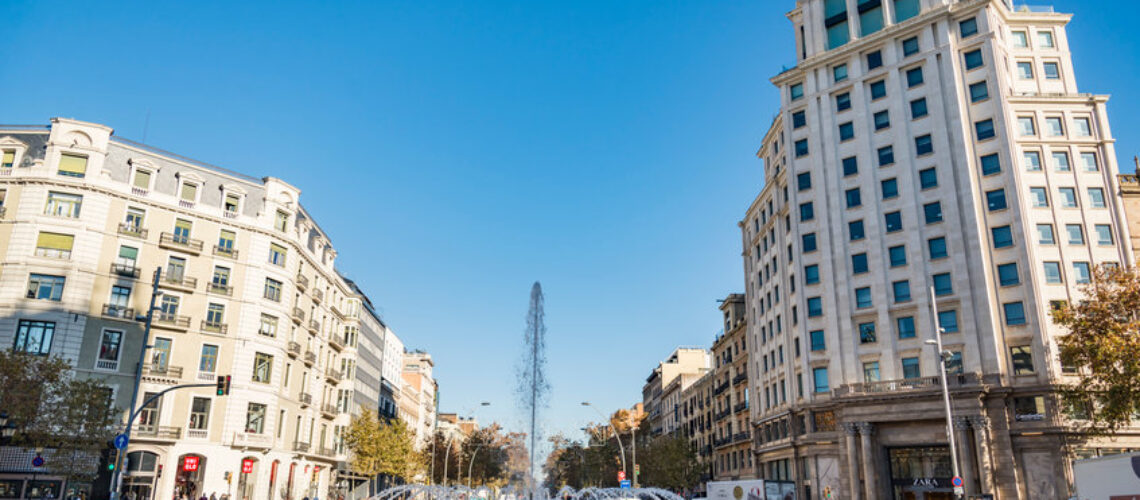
[(815, 307), (1054, 126), (954, 364), (856, 230), (928, 178), (937, 248), (231, 204), (835, 15), (9, 158), (890, 188), (182, 228), (995, 200), (799, 119), (1082, 273), (811, 274), (923, 145), (846, 131), (1045, 39), (1052, 71), (189, 192), (818, 343), (809, 243), (277, 254), (63, 205), (910, 46), (1029, 409), (1022, 357), (1025, 70), (901, 291), (796, 91), (1045, 235), (819, 376), (215, 316), (1020, 39), (906, 327), (1104, 235), (870, 18), (1002, 236), (979, 92), (109, 346), (910, 368), (867, 333), (54, 245), (974, 59), (200, 414), (273, 289), (914, 77), (1088, 160), (906, 9), (268, 326), (1026, 125), (968, 27), (893, 221), (854, 198), (1053, 273), (918, 108), (1008, 275), (34, 337), (863, 298), (850, 166), (1068, 197), (948, 321), (943, 284), (1076, 234), (882, 120), (134, 219), (839, 73), (801, 148), (226, 241), (142, 179), (208, 360), (843, 102), (878, 90), (262, 367), (897, 255), (807, 211), (991, 164), (985, 130), (72, 165), (1083, 127), (1014, 313), (255, 418), (1039, 197), (45, 287), (120, 298), (886, 156), (932, 212), (871, 371), (859, 263), (1032, 160), (874, 59)]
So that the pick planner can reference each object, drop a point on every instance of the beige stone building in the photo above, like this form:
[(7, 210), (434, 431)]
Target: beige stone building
[(697, 421), (1130, 194), (683, 360), (732, 420), (418, 407)]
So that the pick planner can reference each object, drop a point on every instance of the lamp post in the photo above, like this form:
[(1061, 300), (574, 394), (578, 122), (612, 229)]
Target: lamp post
[(942, 358), (616, 436), (447, 454)]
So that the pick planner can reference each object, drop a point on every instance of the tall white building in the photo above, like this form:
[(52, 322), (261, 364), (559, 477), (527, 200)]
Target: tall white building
[(925, 150)]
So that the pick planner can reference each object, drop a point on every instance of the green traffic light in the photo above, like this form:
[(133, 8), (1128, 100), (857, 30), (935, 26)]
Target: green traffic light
[(111, 466)]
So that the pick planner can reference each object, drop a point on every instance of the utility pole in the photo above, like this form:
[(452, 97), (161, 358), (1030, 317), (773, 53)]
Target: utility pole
[(937, 342), (117, 477), (633, 430)]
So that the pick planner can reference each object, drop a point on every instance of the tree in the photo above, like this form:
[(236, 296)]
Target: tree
[(1103, 346), (453, 458), (670, 462), (382, 447)]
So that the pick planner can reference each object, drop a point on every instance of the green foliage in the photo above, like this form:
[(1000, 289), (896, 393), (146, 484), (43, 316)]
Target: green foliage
[(669, 462), (382, 447)]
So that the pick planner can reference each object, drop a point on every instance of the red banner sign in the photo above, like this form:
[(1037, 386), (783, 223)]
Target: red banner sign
[(246, 465), (190, 463)]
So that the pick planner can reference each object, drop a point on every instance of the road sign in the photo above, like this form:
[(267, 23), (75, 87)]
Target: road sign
[(38, 461), (958, 490), (957, 481), (625, 484), (621, 475), (120, 442)]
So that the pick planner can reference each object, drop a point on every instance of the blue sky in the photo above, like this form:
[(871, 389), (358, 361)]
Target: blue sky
[(458, 151)]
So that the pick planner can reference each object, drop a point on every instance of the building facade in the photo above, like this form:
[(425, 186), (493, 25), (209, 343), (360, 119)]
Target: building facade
[(1130, 193), (420, 390), (683, 360), (933, 166), (248, 289), (697, 418), (732, 405)]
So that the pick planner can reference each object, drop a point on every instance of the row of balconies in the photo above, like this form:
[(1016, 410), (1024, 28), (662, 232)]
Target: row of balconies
[(246, 440), (741, 377)]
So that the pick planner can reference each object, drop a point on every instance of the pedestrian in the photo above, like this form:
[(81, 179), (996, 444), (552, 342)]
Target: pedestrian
[(212, 496)]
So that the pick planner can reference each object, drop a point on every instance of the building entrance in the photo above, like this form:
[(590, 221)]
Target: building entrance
[(921, 473)]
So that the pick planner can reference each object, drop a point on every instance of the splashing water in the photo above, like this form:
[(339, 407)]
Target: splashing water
[(423, 492)]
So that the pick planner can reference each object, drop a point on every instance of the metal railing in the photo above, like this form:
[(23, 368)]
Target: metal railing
[(132, 230), (305, 398), (114, 311), (302, 282), (179, 281), (915, 384), (336, 341), (214, 327), (318, 295), (300, 447), (314, 325), (172, 321), (334, 375), (164, 371), (227, 252), (298, 314), (293, 348), (157, 432), (128, 270), (170, 240), (310, 357), (329, 409)]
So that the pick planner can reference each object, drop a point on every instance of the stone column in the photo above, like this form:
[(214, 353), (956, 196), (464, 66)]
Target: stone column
[(870, 482), (985, 464), (965, 452), (852, 460)]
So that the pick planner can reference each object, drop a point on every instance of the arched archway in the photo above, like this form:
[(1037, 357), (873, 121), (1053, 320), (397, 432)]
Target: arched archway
[(188, 478), (247, 478), (272, 494), (139, 476)]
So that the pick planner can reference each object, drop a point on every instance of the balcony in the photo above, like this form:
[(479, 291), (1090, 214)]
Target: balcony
[(912, 385), (219, 288), (298, 315), (126, 270), (329, 410), (336, 311), (178, 282), (325, 451), (334, 376), (214, 327), (300, 447), (314, 326), (740, 407), (336, 341), (207, 377), (183, 244), (742, 377), (318, 295), (251, 440), (721, 415), (230, 214), (740, 437), (163, 372), (171, 322), (227, 252), (310, 358), (302, 282), (120, 312), (156, 432), (293, 349), (132, 230), (721, 388), (305, 398)]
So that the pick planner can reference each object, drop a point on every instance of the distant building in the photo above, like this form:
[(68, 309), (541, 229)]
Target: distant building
[(1130, 193), (732, 420), (683, 360), (697, 421), (421, 390)]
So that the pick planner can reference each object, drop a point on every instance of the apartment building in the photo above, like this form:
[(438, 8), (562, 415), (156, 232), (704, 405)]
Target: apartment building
[(1130, 193), (418, 408), (248, 288), (732, 420), (927, 151), (683, 360), (697, 421)]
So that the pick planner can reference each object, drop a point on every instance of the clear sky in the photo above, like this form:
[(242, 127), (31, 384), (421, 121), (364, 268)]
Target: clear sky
[(458, 151)]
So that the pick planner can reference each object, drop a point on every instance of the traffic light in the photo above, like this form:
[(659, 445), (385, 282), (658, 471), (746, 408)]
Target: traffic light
[(112, 457), (223, 385)]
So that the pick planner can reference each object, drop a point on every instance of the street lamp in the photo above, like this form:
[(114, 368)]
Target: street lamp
[(616, 436), (943, 357), (447, 454)]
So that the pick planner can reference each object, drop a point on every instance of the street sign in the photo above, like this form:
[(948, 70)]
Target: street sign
[(246, 465), (625, 484), (621, 475), (957, 481), (120, 442), (190, 463), (958, 490), (38, 461)]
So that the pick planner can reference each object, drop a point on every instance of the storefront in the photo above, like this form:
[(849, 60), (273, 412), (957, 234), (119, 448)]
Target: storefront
[(20, 479), (140, 476), (921, 473)]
